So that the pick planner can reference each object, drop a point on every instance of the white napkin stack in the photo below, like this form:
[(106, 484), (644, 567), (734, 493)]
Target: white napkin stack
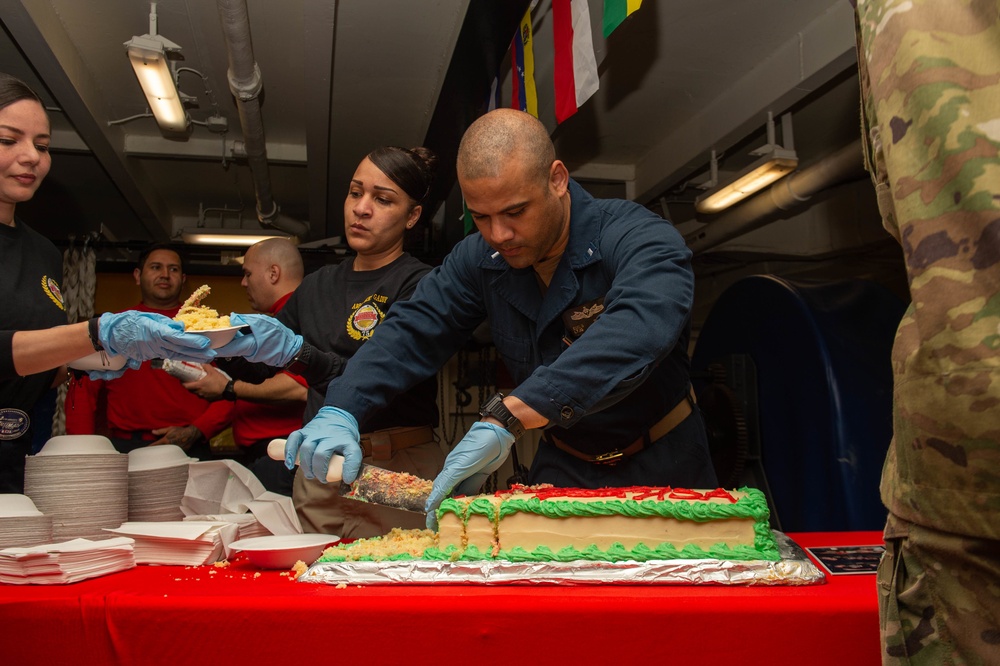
[(247, 524), (190, 543), (66, 562)]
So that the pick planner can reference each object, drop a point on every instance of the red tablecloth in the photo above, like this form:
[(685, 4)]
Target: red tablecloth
[(237, 615)]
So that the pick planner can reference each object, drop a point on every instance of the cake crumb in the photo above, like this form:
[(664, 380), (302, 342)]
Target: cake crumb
[(299, 568), (341, 586)]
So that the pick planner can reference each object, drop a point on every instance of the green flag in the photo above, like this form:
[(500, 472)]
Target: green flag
[(616, 11)]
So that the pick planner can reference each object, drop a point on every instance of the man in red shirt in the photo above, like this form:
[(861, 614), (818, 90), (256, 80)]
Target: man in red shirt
[(148, 406), (272, 270)]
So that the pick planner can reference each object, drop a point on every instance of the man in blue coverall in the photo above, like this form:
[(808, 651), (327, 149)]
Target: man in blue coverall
[(588, 302)]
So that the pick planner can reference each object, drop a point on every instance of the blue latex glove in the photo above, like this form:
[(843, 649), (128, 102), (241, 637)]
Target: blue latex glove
[(331, 431), (480, 453), (271, 342), (143, 336)]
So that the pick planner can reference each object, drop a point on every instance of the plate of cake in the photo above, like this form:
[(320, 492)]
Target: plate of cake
[(203, 320)]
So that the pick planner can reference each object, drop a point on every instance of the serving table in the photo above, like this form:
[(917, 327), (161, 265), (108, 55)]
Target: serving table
[(239, 615)]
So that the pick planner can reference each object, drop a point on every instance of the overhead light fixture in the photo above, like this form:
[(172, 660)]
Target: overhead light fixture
[(230, 237), (148, 55), (775, 162)]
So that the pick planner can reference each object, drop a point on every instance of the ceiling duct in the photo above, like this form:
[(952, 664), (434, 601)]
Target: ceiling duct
[(788, 193), (245, 84)]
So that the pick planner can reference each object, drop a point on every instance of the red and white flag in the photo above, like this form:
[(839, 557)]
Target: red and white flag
[(575, 73)]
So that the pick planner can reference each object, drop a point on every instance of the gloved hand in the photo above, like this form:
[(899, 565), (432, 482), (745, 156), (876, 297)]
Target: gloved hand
[(331, 431), (479, 454), (142, 336), (271, 342)]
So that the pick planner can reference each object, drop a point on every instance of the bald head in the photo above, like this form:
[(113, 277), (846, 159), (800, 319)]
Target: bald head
[(271, 269), (282, 252), (501, 135)]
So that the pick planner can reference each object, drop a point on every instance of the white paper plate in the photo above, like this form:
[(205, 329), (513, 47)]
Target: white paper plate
[(284, 550), (76, 445), (219, 336), (160, 456), (96, 360), (17, 505)]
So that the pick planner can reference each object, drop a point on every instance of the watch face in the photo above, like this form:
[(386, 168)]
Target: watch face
[(495, 408)]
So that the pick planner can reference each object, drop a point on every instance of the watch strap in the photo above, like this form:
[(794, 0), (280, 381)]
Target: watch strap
[(495, 408), (298, 365)]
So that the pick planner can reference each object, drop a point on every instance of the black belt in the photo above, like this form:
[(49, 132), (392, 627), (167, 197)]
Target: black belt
[(670, 420)]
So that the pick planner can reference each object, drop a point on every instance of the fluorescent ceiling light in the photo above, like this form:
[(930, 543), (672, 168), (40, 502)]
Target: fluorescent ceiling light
[(148, 55), (776, 163), (231, 237)]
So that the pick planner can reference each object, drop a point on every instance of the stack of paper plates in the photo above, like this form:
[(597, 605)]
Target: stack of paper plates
[(157, 477), (81, 482), (21, 523)]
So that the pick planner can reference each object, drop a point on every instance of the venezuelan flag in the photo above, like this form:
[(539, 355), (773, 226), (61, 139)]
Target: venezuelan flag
[(523, 93), (616, 11)]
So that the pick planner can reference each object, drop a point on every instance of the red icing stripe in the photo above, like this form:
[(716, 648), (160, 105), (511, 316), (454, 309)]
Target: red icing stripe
[(637, 493)]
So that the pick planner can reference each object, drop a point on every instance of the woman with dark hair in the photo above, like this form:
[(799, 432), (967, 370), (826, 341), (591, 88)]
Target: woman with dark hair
[(34, 337), (336, 310), (32, 271)]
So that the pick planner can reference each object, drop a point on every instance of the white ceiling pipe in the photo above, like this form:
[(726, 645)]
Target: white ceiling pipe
[(245, 84), (788, 193)]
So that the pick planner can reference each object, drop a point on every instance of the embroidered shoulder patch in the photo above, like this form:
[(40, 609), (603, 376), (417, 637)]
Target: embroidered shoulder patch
[(13, 423), (51, 289)]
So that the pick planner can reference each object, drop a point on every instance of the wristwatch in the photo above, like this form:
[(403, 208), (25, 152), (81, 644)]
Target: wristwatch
[(495, 408), (299, 364), (229, 393)]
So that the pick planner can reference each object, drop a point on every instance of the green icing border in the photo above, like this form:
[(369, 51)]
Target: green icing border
[(753, 505)]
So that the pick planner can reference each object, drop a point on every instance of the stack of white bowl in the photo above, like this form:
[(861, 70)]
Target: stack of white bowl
[(157, 478), (81, 481), (21, 523)]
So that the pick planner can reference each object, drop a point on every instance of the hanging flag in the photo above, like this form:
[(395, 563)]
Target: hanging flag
[(493, 101), (616, 11), (575, 69), (523, 95)]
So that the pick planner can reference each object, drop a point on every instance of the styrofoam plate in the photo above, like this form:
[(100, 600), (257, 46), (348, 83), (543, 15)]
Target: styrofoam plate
[(219, 336), (76, 445), (98, 361), (282, 551), (160, 456)]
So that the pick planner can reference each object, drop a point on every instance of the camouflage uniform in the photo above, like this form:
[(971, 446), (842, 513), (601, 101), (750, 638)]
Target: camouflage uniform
[(930, 77)]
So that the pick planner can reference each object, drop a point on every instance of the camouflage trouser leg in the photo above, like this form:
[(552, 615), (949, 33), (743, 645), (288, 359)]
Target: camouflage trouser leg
[(939, 597), (930, 78)]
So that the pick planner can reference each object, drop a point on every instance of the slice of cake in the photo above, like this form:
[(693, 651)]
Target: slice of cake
[(546, 524)]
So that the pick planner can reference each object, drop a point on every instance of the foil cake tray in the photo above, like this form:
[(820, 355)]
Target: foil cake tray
[(794, 568)]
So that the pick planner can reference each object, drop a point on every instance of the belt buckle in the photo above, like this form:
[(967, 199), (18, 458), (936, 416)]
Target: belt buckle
[(609, 458)]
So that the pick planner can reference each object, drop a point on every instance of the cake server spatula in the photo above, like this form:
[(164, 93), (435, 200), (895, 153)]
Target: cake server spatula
[(398, 490)]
